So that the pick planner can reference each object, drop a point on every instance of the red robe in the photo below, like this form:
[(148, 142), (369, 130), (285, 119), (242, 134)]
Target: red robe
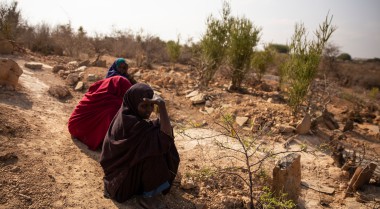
[(92, 116)]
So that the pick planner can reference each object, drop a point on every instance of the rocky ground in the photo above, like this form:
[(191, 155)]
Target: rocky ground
[(42, 167)]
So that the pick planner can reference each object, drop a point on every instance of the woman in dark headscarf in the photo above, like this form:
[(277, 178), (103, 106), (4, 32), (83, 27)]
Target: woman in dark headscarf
[(139, 156), (120, 68)]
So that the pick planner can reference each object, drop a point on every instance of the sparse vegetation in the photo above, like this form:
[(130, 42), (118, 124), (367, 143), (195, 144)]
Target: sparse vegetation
[(214, 44), (174, 50), (232, 40), (261, 61), (301, 68), (269, 201)]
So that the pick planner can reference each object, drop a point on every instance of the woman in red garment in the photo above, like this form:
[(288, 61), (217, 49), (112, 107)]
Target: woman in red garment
[(92, 116)]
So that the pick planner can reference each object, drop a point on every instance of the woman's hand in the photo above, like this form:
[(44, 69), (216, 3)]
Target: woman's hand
[(157, 100)]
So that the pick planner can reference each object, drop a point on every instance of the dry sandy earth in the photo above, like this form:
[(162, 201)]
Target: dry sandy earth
[(42, 167)]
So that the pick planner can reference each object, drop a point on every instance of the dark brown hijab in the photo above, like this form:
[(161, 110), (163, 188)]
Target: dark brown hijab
[(131, 139)]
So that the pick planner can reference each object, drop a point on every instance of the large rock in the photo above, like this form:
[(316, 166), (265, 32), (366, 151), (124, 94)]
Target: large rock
[(287, 177), (10, 71)]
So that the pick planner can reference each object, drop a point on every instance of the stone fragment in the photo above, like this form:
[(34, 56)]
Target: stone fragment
[(208, 103), (72, 79), (287, 177), (361, 177), (286, 129), (329, 120), (57, 68), (33, 65), (241, 120), (349, 126), (198, 99), (91, 77), (192, 94), (84, 63), (79, 86), (304, 126), (187, 183), (80, 69)]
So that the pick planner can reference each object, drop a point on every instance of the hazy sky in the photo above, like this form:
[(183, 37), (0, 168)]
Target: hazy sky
[(358, 22)]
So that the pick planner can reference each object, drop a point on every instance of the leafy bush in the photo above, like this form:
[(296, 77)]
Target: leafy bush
[(344, 57), (174, 50), (269, 201), (243, 37), (261, 60), (279, 48), (213, 44), (229, 40), (301, 68)]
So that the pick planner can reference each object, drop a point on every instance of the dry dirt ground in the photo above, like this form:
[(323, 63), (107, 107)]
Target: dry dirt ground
[(41, 166)]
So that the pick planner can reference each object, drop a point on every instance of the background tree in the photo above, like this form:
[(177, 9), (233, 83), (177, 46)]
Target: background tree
[(174, 50), (230, 41), (301, 68), (344, 57), (214, 44), (261, 61), (243, 37)]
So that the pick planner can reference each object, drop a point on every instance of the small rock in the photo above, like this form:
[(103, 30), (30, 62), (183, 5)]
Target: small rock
[(57, 68), (33, 65), (72, 79), (198, 99), (73, 63), (192, 94), (61, 73), (208, 103), (84, 63), (241, 120), (79, 86), (286, 129), (304, 126), (187, 183), (91, 77), (349, 126), (80, 69)]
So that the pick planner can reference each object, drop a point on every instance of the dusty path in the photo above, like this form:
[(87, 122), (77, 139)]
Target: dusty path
[(69, 170)]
